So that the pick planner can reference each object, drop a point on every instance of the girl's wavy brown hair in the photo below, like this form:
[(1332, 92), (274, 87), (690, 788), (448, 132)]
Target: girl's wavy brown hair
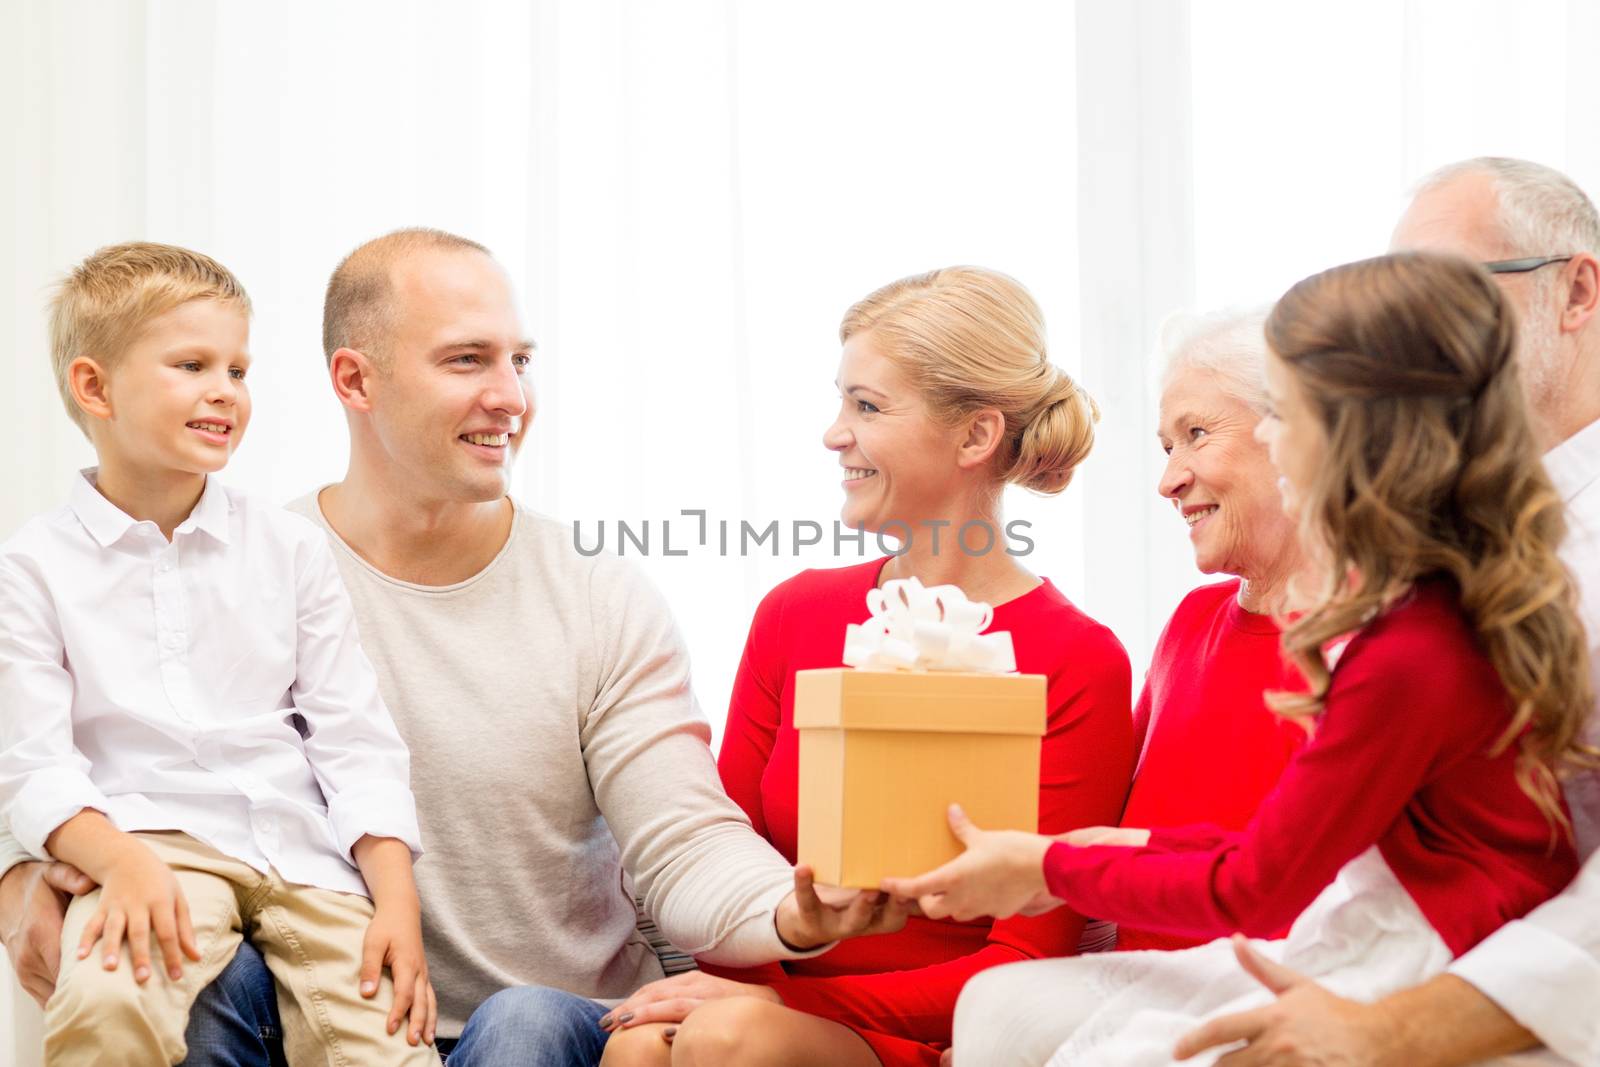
[(1432, 469)]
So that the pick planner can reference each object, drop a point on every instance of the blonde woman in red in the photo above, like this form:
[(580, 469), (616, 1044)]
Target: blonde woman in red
[(946, 397)]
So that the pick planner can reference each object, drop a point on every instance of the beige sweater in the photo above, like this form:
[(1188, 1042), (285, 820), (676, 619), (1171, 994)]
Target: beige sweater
[(556, 750)]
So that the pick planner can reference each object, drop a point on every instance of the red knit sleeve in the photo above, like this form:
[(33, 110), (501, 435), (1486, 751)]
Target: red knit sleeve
[(1192, 838), (754, 712), (1385, 728), (1086, 760)]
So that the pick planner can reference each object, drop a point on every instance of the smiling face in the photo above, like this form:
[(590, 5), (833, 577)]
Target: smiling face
[(899, 464), (1219, 478), (451, 399), (176, 400), (1293, 434)]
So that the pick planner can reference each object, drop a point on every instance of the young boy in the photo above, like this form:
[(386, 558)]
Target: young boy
[(185, 712)]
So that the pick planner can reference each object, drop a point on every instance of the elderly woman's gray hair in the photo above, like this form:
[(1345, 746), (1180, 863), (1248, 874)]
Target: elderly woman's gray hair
[(1230, 344)]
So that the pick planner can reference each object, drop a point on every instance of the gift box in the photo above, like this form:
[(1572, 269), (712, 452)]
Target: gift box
[(888, 745)]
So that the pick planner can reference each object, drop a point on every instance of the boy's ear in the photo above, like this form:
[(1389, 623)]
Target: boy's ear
[(351, 373), (90, 388)]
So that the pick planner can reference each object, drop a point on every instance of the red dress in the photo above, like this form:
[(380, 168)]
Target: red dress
[(899, 990), (1401, 760), (1211, 749)]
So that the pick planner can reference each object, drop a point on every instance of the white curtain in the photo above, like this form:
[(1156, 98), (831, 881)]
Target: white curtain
[(689, 196)]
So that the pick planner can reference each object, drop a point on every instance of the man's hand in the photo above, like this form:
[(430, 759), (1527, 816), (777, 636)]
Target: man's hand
[(1445, 1022), (1307, 1026), (812, 916), (33, 905), (670, 1000), (1001, 874)]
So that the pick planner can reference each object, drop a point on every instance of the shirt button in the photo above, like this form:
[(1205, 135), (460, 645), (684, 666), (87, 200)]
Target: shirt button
[(173, 641)]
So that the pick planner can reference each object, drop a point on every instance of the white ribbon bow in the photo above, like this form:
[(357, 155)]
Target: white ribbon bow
[(914, 627)]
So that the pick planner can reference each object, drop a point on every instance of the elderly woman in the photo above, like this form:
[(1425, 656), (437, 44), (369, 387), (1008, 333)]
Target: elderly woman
[(1210, 749), (1445, 668), (947, 395)]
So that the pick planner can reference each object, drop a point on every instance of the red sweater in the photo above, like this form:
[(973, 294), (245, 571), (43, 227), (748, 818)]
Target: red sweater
[(1211, 749), (1401, 760), (906, 984)]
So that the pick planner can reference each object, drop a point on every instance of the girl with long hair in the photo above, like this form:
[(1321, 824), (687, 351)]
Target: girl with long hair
[(1448, 680)]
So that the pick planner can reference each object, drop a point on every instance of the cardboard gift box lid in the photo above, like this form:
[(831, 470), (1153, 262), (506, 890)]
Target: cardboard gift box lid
[(925, 701)]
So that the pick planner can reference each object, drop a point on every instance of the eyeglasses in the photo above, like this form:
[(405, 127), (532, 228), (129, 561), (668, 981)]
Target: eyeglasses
[(1522, 266)]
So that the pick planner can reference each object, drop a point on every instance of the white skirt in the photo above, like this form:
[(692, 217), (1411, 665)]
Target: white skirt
[(1362, 938)]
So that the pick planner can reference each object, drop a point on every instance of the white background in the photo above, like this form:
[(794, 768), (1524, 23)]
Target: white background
[(690, 194)]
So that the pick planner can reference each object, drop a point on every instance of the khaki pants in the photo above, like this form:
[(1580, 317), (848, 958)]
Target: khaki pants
[(311, 939)]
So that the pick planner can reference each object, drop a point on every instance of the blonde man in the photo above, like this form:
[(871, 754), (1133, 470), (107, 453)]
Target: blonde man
[(560, 760)]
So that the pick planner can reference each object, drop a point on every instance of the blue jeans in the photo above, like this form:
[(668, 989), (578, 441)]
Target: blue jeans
[(235, 1024), (531, 1026)]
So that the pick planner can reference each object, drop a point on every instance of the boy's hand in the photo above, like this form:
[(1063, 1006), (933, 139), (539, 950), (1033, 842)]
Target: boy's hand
[(394, 939), (140, 894)]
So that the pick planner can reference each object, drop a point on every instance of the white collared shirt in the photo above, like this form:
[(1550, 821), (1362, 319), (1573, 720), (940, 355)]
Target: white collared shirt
[(213, 685), (1544, 970)]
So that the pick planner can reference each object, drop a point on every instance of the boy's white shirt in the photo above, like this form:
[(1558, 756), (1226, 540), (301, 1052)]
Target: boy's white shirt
[(213, 685)]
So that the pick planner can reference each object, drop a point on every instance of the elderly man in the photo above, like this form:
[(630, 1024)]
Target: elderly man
[(1537, 981), (557, 751)]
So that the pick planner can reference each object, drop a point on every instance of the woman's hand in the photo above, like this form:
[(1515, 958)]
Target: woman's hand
[(1001, 874), (140, 895), (1126, 836), (672, 999), (813, 915)]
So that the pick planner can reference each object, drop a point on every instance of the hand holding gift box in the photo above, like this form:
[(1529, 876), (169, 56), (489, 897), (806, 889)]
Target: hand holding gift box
[(929, 713)]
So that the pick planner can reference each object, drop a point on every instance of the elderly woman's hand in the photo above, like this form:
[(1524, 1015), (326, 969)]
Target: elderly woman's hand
[(1126, 836), (1001, 874)]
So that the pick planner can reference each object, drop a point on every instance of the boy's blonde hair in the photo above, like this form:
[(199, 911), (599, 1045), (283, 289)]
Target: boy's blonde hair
[(100, 307)]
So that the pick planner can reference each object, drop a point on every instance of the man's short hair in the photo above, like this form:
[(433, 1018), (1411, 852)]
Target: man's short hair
[(101, 306), (359, 307), (1542, 212)]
